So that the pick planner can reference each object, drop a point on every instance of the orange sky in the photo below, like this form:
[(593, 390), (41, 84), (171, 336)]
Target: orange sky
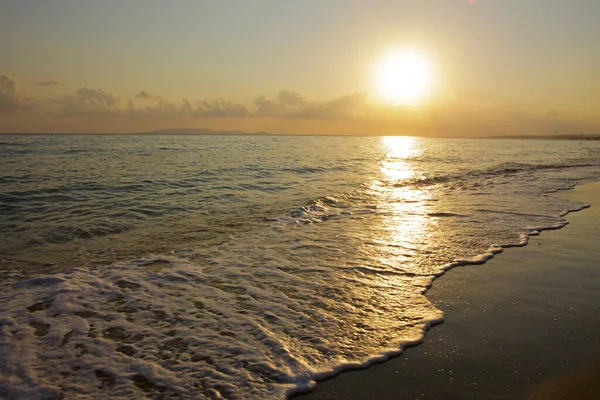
[(501, 67)]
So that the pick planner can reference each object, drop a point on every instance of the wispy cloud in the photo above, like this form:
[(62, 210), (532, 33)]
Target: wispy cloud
[(286, 112), (286, 104), (143, 95), (161, 108), (217, 108), (343, 108), (51, 82), (220, 108), (11, 98), (87, 101)]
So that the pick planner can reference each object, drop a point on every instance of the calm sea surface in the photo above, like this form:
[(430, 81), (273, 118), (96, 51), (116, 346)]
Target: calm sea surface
[(246, 266)]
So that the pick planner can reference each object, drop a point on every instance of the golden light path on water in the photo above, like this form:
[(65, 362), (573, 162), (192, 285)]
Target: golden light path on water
[(407, 225), (394, 240)]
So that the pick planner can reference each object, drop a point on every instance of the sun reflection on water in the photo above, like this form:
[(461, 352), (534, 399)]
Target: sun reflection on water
[(396, 253), (405, 226), (399, 149)]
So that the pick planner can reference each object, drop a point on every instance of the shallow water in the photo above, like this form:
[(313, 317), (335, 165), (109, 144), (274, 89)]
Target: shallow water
[(246, 267)]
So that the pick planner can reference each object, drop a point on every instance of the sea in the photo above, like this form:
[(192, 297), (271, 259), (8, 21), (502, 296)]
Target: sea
[(247, 266)]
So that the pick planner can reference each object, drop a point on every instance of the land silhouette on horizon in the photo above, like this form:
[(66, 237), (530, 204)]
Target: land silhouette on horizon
[(210, 132)]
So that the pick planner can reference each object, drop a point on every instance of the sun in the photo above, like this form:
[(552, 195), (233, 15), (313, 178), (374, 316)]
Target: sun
[(403, 77)]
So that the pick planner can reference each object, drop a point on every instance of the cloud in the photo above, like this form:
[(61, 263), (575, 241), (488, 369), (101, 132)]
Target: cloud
[(51, 82), (186, 108), (291, 99), (143, 95), (162, 108), (343, 108), (286, 104), (219, 108), (286, 112), (521, 122), (11, 98), (87, 101), (293, 105)]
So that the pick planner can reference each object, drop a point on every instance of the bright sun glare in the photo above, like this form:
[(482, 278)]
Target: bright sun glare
[(403, 77)]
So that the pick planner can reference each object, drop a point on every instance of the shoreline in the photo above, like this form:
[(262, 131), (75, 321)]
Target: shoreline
[(449, 295)]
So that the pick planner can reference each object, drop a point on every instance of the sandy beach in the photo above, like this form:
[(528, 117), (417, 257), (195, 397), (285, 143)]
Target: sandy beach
[(525, 325)]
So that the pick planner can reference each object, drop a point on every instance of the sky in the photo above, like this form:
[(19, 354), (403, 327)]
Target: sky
[(500, 67)]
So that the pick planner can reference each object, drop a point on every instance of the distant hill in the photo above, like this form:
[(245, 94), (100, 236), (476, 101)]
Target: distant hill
[(546, 137), (192, 131)]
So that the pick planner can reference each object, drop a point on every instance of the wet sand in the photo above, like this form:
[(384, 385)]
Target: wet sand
[(525, 325)]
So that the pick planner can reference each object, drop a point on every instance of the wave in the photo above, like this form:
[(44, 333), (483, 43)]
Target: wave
[(164, 326), (256, 284), (500, 170)]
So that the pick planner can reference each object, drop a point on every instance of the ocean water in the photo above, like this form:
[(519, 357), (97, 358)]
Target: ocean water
[(243, 267)]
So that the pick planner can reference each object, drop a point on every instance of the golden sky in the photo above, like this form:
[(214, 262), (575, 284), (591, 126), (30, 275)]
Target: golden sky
[(492, 67)]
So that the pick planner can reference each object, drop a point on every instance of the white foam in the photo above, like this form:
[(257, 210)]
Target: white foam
[(247, 324), (132, 330)]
